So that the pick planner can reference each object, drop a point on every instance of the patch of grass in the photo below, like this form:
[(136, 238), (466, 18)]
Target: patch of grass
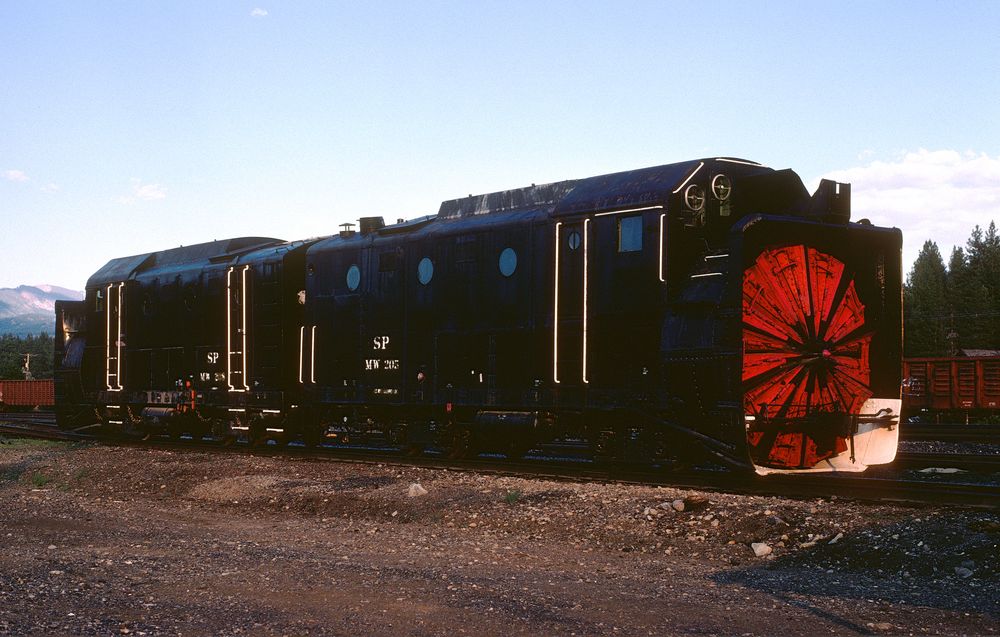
[(39, 479), (11, 474), (513, 495)]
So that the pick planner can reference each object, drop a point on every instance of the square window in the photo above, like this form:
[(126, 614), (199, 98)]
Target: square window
[(630, 234)]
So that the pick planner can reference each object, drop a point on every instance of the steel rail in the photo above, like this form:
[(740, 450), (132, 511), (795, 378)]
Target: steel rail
[(41, 418), (35, 430), (951, 433), (974, 462)]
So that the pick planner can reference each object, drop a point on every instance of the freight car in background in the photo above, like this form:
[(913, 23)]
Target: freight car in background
[(953, 389), (711, 305), (22, 395)]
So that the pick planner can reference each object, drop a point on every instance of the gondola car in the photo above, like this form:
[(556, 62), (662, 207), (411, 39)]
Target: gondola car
[(709, 306)]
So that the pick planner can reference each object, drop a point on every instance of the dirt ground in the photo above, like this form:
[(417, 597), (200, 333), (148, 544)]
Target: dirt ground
[(102, 540)]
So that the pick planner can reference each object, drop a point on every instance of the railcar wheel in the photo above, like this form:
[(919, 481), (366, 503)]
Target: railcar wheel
[(461, 443), (517, 451), (312, 437), (413, 449), (255, 436)]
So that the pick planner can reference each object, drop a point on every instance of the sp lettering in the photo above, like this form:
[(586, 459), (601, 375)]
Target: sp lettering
[(380, 343), (212, 358)]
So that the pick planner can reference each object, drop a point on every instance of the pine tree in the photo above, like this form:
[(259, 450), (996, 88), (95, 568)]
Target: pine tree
[(961, 292), (989, 274), (978, 298), (926, 300)]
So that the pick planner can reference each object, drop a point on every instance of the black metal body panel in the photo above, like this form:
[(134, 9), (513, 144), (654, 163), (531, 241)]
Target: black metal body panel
[(600, 302)]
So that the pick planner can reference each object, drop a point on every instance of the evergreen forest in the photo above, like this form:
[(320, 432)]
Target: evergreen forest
[(13, 350), (954, 306)]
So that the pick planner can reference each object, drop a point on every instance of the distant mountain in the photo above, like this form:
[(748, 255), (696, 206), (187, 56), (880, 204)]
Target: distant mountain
[(29, 309)]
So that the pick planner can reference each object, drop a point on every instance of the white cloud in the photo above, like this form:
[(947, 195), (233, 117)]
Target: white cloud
[(258, 12), (938, 195), (50, 187), (15, 175), (143, 192)]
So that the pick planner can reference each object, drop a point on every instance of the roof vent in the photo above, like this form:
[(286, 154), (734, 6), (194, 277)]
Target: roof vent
[(347, 230), (371, 224)]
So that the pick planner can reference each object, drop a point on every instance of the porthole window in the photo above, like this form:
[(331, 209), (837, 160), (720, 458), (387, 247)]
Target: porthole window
[(425, 271), (353, 277), (573, 240), (508, 261), (630, 234)]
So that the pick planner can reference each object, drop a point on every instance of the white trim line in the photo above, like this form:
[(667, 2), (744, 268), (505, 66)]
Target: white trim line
[(663, 218), (698, 276), (689, 177), (739, 161), (118, 340), (555, 313), (107, 339), (243, 304), (312, 356), (621, 212), (302, 336), (229, 329), (586, 236)]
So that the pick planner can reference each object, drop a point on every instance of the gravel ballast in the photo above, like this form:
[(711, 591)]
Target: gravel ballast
[(101, 540)]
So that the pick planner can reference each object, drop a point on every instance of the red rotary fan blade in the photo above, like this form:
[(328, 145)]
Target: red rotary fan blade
[(805, 352)]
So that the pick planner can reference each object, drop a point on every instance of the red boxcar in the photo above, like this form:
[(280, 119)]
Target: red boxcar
[(966, 384), (26, 393)]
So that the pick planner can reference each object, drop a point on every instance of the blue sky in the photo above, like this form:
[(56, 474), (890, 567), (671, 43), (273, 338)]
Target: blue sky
[(127, 127)]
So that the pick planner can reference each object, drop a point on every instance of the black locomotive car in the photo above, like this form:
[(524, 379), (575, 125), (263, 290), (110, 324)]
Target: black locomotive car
[(709, 305)]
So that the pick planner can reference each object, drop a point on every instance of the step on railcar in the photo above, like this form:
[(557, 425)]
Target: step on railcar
[(710, 306)]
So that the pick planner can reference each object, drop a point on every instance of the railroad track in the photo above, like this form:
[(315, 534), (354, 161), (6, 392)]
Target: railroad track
[(28, 428), (39, 417), (977, 463), (951, 433), (879, 485), (927, 432)]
